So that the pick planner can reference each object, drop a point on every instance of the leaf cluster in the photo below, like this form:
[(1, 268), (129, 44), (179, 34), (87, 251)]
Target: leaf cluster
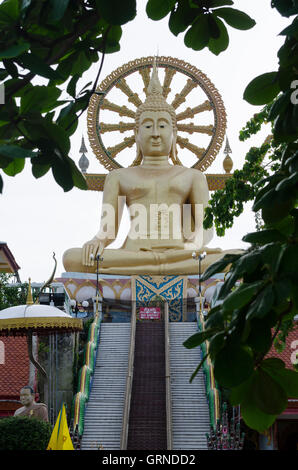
[(203, 21), (250, 317), (56, 42), (11, 294), (24, 433)]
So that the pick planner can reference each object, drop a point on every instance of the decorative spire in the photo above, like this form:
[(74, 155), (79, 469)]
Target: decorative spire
[(154, 87), (227, 149), (228, 162), (29, 300), (83, 162), (83, 148)]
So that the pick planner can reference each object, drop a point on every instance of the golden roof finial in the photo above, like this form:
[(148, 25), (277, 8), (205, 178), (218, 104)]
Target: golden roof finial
[(29, 294)]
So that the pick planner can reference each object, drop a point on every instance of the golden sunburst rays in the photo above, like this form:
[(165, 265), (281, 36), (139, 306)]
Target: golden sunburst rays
[(189, 122)]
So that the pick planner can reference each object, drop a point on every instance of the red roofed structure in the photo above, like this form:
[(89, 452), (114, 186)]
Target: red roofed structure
[(8, 263), (14, 360), (14, 372)]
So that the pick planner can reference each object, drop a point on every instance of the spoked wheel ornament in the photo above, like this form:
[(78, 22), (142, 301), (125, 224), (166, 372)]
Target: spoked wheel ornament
[(201, 116)]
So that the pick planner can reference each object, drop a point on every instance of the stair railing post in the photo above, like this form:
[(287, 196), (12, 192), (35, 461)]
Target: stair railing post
[(129, 378), (168, 379)]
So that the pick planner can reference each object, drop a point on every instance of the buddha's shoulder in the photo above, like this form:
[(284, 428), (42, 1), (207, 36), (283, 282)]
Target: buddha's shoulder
[(192, 172), (119, 173)]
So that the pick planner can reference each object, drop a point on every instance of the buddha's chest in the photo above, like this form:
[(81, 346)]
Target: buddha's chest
[(156, 187)]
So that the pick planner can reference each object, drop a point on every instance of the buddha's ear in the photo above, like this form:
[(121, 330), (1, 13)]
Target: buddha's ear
[(173, 151), (139, 155), (174, 136)]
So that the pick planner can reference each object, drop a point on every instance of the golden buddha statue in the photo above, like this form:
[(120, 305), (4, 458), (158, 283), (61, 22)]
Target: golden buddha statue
[(165, 201)]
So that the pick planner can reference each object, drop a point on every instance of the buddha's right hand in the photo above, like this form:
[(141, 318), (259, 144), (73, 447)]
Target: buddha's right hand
[(90, 250)]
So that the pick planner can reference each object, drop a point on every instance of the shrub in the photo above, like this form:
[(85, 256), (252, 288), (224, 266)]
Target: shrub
[(24, 433)]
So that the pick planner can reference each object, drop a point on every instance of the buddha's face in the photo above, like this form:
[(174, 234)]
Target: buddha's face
[(26, 397), (155, 134)]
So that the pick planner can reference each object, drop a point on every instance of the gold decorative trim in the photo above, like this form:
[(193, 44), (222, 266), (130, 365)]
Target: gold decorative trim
[(143, 65), (96, 181), (41, 322)]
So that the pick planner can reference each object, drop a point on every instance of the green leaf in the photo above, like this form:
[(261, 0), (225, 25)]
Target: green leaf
[(246, 264), (220, 44), (80, 63), (37, 66), (285, 7), (256, 418), (9, 12), (15, 167), (275, 205), (156, 10), (290, 30), (269, 396), (220, 3), (216, 343), (233, 365), (263, 303), (39, 170), (117, 12), (279, 105), (40, 99), (57, 10), (215, 318), (272, 363), (62, 174), (240, 393), (77, 177), (262, 89), (264, 236), (198, 35), (241, 296), (71, 87), (14, 51), (11, 68), (288, 183), (287, 379), (213, 27), (288, 263), (13, 151), (235, 18), (260, 337), (112, 41), (220, 265), (198, 368), (282, 290), (199, 338), (181, 17)]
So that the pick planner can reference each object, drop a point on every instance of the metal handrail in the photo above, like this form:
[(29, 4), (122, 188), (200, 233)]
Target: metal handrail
[(125, 420), (168, 379)]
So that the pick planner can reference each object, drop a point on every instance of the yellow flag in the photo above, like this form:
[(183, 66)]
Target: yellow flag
[(60, 438)]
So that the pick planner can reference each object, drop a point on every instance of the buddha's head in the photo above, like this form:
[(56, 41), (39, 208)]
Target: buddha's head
[(156, 125)]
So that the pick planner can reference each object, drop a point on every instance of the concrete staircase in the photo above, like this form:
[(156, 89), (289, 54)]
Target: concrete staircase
[(190, 411), (147, 423), (103, 416)]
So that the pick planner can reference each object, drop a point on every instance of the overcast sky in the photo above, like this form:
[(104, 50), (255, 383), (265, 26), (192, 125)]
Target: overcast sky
[(39, 218)]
